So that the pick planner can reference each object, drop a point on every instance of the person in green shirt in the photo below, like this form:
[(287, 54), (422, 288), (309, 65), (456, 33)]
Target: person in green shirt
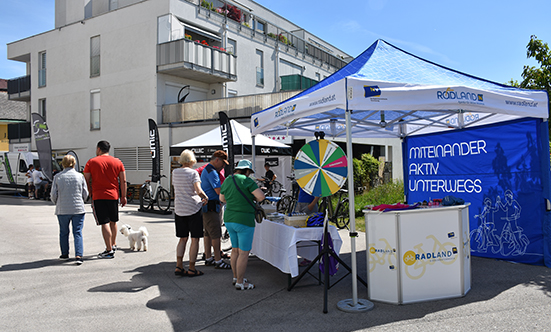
[(239, 218)]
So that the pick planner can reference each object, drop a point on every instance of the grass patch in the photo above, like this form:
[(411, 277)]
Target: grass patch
[(388, 193)]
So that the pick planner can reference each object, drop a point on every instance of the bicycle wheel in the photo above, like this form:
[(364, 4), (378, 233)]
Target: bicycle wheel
[(342, 218), (130, 191), (276, 187), (145, 199), (284, 204), (163, 199)]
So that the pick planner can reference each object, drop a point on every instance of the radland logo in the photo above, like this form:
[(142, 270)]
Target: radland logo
[(381, 251), (283, 111), (256, 122), (460, 96), (467, 117), (371, 91), (410, 257)]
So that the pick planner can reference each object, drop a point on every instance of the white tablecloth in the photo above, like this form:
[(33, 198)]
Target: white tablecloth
[(276, 244)]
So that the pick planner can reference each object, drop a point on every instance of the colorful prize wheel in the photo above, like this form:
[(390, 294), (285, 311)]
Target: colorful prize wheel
[(321, 168)]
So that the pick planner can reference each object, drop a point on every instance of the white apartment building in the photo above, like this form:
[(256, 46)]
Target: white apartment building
[(110, 65)]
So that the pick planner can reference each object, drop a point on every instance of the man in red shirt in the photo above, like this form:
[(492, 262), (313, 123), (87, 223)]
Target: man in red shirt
[(103, 174)]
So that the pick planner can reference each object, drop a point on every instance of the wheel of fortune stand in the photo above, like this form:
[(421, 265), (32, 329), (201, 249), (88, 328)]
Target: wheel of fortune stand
[(321, 168)]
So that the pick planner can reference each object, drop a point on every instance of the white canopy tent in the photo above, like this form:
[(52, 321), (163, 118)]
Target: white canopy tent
[(204, 146), (387, 92)]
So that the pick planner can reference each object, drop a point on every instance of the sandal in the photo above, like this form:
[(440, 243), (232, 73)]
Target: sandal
[(210, 262), (244, 286), (222, 265), (180, 272), (224, 255), (194, 273), (235, 281)]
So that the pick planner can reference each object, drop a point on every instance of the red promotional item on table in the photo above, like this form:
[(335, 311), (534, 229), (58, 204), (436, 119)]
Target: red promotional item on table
[(385, 207)]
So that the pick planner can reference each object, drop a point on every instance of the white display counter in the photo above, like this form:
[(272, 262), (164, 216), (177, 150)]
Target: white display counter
[(418, 255)]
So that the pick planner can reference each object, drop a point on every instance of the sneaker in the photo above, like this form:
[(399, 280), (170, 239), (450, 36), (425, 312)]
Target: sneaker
[(107, 254), (115, 247), (64, 257), (79, 261)]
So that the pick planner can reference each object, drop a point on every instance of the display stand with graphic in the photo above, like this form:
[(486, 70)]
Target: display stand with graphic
[(321, 170)]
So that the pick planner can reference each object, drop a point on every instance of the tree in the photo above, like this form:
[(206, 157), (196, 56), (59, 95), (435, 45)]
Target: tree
[(532, 77)]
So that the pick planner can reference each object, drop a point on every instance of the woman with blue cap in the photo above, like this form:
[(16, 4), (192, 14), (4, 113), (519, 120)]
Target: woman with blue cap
[(238, 192)]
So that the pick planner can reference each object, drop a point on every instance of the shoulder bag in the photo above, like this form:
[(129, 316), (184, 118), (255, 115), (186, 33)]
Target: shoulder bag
[(259, 213)]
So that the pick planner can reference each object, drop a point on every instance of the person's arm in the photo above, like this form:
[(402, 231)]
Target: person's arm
[(313, 203), (84, 190), (200, 192), (53, 192), (258, 195), (122, 179), (222, 198)]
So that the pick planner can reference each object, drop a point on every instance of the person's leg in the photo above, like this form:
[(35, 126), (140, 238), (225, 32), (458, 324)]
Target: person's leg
[(107, 236), (64, 221), (241, 262), (233, 259), (78, 223), (207, 244), (114, 231), (193, 250), (216, 248), (180, 251)]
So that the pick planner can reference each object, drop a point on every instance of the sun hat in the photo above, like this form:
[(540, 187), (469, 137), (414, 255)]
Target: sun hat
[(245, 164), (222, 155)]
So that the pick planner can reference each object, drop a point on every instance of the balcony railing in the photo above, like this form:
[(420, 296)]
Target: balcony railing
[(20, 88), (236, 107), (269, 34), (296, 82), (186, 58)]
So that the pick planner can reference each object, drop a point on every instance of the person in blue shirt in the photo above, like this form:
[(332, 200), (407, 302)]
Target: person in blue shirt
[(306, 203), (210, 183)]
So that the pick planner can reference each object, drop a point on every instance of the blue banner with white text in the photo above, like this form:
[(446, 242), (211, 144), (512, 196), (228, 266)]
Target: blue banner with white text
[(497, 169)]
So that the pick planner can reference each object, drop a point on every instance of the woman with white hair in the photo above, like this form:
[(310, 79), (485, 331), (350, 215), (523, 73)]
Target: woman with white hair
[(69, 191), (189, 199)]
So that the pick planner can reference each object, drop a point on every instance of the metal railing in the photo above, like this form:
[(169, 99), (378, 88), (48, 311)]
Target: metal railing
[(235, 107), (193, 55)]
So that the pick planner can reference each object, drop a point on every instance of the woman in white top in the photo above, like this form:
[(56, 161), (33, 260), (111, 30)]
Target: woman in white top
[(69, 191), (189, 199)]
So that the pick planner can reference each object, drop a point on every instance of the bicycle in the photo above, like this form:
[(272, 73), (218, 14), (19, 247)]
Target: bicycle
[(151, 194), (339, 215), (130, 192), (287, 202), (271, 189)]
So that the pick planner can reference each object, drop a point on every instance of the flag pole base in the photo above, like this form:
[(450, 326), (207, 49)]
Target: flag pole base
[(348, 306)]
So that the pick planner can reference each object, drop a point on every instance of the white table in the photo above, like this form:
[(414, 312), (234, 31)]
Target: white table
[(276, 243)]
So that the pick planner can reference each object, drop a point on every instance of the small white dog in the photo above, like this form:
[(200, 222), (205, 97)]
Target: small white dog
[(136, 238)]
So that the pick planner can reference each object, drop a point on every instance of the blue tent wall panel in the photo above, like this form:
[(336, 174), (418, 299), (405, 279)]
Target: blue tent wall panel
[(500, 170)]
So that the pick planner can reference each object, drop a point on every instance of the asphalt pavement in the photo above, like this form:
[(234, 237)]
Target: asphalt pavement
[(138, 291)]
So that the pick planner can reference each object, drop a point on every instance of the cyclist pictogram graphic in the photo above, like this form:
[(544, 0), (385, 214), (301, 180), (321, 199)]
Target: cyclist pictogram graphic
[(379, 256), (511, 239)]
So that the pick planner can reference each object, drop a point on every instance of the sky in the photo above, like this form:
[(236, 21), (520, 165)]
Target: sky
[(483, 38)]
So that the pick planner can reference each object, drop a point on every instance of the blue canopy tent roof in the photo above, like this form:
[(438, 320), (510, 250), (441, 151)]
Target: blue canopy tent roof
[(386, 87)]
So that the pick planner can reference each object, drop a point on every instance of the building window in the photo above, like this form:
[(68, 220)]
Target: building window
[(260, 68), (42, 107), (95, 110), (94, 56), (260, 26), (232, 46), (41, 69)]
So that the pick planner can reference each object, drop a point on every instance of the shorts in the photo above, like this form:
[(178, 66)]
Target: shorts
[(40, 184), (241, 236), (105, 210), (303, 207), (189, 224), (212, 224)]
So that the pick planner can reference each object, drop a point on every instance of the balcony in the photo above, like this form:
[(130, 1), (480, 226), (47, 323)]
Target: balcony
[(236, 107), (296, 82), (19, 89), (189, 59)]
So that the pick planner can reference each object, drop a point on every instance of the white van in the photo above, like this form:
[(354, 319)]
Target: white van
[(14, 167)]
